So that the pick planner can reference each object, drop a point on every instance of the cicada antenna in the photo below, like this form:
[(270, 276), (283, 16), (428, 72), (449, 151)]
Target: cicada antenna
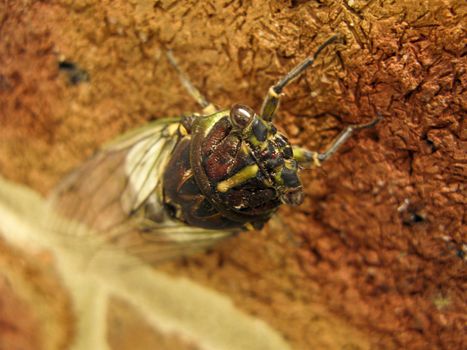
[(208, 107)]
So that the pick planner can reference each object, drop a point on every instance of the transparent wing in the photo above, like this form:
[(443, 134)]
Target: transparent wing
[(155, 242), (116, 197)]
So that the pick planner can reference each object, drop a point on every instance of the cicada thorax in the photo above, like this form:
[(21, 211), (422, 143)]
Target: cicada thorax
[(230, 170)]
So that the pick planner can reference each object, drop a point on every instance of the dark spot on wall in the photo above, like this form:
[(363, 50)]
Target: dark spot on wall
[(74, 73)]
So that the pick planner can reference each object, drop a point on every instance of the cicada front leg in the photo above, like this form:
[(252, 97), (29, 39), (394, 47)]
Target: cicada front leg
[(307, 158), (207, 107), (271, 102)]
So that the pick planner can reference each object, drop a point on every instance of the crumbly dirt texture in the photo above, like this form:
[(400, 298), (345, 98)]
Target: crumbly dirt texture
[(379, 243), (35, 312)]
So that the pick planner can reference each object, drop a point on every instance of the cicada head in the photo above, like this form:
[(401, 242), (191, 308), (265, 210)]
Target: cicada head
[(272, 152), (244, 165)]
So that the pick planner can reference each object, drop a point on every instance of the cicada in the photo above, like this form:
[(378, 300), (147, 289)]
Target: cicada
[(181, 184)]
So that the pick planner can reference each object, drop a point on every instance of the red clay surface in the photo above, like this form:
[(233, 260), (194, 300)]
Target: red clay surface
[(380, 240)]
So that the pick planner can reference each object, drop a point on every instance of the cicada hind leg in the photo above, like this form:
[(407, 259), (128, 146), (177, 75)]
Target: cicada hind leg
[(207, 107)]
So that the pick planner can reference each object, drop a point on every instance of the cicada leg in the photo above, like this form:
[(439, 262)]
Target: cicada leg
[(308, 158), (208, 107), (272, 99)]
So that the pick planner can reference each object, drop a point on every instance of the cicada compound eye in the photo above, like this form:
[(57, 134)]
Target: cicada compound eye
[(241, 116), (293, 196)]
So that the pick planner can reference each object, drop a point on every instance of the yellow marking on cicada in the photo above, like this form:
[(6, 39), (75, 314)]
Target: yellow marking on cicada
[(300, 154), (182, 130), (249, 226), (243, 175), (253, 140), (278, 176), (304, 157), (209, 109), (172, 128), (270, 104), (262, 145), (316, 159), (273, 93), (288, 164), (244, 149), (252, 137)]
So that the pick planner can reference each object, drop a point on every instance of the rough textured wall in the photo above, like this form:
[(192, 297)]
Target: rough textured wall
[(380, 241)]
